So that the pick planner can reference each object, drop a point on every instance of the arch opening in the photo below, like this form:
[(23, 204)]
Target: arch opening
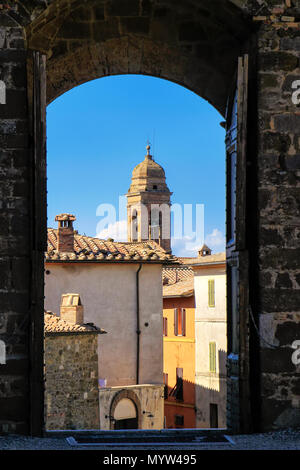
[(190, 55), (196, 47)]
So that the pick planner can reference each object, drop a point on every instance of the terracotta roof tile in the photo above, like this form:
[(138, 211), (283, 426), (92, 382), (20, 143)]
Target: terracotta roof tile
[(202, 260), (53, 324), (170, 275), (178, 281), (179, 289), (96, 249)]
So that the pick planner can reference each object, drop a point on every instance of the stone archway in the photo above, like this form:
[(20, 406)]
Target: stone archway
[(194, 46), (125, 394), (194, 43), (191, 45)]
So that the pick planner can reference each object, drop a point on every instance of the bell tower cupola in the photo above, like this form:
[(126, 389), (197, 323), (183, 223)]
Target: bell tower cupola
[(149, 204)]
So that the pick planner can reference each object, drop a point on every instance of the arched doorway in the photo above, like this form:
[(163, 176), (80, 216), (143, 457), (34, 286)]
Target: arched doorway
[(194, 47), (125, 415), (125, 411)]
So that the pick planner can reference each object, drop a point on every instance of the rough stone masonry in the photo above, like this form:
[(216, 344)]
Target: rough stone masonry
[(196, 44)]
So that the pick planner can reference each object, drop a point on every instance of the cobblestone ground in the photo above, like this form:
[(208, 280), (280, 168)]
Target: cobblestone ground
[(280, 440)]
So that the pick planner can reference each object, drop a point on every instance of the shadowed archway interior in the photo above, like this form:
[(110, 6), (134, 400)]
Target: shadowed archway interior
[(195, 45)]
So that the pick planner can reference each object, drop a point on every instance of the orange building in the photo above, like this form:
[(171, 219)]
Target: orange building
[(179, 347)]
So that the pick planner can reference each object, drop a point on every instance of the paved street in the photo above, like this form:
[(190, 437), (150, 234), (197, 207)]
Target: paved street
[(280, 440)]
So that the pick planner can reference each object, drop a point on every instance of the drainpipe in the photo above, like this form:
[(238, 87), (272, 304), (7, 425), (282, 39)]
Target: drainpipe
[(138, 331)]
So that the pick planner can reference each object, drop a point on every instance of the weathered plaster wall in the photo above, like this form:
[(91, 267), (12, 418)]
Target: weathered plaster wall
[(210, 326), (71, 381), (108, 293), (179, 351)]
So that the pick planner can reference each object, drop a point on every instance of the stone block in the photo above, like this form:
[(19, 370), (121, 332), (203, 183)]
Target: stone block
[(16, 105), (268, 80), (272, 61), (135, 25), (279, 300), (276, 361), (74, 30), (14, 409), (103, 30), (290, 43), (270, 236), (287, 123), (121, 8), (99, 12), (288, 332), (271, 410), (283, 281), (275, 142), (191, 31)]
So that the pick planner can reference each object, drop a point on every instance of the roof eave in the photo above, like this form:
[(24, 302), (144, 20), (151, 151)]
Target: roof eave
[(203, 265), (89, 261), (188, 294)]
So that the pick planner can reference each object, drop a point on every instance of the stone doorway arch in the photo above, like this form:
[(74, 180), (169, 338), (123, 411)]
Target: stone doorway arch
[(131, 412), (196, 44), (193, 46)]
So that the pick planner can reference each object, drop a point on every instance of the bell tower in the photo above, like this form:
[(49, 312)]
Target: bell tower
[(149, 204)]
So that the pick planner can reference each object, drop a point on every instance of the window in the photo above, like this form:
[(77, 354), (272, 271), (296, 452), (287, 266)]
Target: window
[(165, 326), (211, 293), (213, 415), (212, 357), (179, 420), (179, 321), (165, 379), (177, 391), (134, 225)]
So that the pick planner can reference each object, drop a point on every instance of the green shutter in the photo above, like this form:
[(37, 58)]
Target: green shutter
[(212, 357), (211, 293)]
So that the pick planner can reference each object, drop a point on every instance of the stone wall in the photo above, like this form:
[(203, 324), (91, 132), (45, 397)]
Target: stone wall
[(15, 242), (71, 375), (279, 221)]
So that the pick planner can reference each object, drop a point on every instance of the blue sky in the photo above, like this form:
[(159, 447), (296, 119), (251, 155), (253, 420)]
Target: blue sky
[(98, 132)]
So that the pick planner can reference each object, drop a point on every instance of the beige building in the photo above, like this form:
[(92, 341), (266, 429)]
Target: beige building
[(121, 288), (211, 338), (71, 368)]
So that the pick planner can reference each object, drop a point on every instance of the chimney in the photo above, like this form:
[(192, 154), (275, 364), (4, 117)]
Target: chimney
[(71, 309), (65, 234)]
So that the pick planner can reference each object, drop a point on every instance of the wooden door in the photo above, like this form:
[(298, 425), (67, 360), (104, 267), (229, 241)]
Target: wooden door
[(238, 403), (38, 217)]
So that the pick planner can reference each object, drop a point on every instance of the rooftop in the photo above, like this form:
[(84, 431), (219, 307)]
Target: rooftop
[(178, 281), (54, 324), (179, 289), (97, 250), (173, 274), (204, 260)]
